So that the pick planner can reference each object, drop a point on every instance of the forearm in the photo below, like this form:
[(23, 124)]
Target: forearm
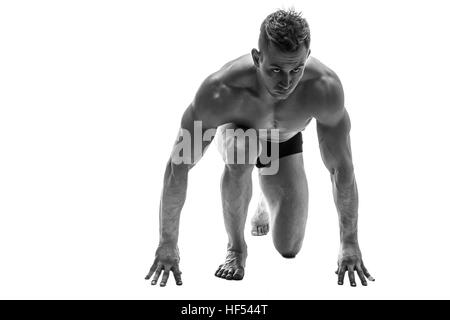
[(345, 194), (172, 201)]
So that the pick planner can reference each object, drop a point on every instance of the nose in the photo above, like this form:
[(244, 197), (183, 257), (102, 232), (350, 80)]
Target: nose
[(285, 82)]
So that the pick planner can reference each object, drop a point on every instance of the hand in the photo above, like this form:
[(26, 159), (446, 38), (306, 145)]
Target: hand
[(352, 263), (167, 259)]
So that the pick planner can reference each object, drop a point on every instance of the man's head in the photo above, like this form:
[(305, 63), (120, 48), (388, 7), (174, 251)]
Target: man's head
[(283, 51)]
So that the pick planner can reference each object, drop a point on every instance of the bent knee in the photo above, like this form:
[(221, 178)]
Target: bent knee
[(289, 251), (289, 255)]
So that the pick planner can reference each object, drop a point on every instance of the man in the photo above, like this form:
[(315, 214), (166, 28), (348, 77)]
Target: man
[(278, 87)]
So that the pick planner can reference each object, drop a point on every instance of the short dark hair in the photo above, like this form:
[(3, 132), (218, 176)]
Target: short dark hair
[(287, 30)]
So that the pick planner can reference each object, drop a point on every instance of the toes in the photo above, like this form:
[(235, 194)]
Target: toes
[(230, 274), (238, 274), (219, 272), (260, 230)]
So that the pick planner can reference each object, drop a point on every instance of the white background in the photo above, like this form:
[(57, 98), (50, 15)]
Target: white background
[(91, 95)]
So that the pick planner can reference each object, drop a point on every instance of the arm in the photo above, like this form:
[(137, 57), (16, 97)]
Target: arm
[(175, 179), (333, 128), (186, 153), (172, 200)]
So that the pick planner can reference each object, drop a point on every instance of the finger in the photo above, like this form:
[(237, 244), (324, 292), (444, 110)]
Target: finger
[(239, 274), (177, 275), (361, 276), (351, 276), (152, 270), (341, 274), (367, 274), (165, 276), (157, 273)]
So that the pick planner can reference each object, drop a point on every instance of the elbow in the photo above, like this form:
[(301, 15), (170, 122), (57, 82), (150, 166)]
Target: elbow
[(177, 170), (343, 175), (178, 166)]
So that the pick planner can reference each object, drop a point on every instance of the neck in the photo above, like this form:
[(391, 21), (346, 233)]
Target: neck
[(263, 93)]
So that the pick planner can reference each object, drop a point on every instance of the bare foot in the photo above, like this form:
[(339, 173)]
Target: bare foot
[(260, 221), (233, 268)]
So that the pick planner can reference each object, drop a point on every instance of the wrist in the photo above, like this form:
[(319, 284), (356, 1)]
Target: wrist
[(349, 249), (349, 242), (167, 243), (349, 238), (167, 246), (168, 237)]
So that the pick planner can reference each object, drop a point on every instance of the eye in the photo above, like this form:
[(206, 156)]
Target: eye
[(276, 70), (297, 70)]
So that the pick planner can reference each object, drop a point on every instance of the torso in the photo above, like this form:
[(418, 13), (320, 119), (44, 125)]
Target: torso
[(250, 110)]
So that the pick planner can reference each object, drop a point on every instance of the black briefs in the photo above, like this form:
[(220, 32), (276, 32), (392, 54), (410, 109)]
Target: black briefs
[(292, 146)]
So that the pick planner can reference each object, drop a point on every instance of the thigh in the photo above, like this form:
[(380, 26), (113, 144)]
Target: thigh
[(286, 194), (237, 144)]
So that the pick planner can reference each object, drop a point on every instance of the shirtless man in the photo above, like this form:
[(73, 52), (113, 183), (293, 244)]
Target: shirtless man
[(280, 86)]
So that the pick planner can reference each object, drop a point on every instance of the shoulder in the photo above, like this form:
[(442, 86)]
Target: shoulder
[(213, 92), (223, 88), (212, 102), (325, 94)]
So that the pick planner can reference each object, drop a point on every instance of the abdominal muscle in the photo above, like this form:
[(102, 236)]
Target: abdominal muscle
[(277, 135), (283, 135)]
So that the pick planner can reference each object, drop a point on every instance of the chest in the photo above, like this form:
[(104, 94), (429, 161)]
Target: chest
[(287, 115)]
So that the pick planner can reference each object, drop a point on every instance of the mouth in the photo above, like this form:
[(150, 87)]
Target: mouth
[(282, 92)]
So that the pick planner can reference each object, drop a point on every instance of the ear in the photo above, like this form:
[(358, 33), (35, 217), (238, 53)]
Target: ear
[(256, 55)]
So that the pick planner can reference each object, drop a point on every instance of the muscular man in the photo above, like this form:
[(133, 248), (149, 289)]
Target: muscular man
[(281, 87)]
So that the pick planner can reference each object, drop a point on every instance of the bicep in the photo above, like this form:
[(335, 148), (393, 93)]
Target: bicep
[(194, 136), (188, 119), (201, 119)]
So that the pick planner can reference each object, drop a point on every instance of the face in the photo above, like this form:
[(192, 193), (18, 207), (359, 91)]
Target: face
[(280, 72)]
